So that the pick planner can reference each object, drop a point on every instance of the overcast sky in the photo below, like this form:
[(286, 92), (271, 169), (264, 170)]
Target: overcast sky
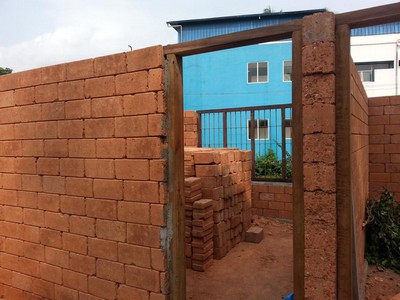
[(35, 33)]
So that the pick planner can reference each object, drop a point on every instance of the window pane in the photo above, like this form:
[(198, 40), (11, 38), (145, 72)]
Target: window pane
[(262, 72), (287, 71), (366, 76), (263, 129), (252, 72)]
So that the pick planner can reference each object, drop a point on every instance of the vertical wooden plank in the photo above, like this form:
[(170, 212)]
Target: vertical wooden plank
[(225, 129), (176, 204), (283, 134), (199, 141), (345, 271), (298, 179), (253, 144)]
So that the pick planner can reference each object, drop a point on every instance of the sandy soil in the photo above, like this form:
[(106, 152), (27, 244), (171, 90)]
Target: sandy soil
[(264, 271)]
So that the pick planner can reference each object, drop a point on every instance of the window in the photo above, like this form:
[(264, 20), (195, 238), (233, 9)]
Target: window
[(287, 70), (257, 72), (366, 70), (261, 131), (288, 128)]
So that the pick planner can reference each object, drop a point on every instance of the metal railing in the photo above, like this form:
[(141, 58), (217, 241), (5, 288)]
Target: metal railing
[(265, 130)]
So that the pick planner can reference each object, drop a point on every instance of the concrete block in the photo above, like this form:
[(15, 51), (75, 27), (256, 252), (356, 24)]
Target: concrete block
[(254, 234)]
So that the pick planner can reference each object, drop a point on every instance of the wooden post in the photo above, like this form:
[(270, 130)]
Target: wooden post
[(176, 209), (298, 179)]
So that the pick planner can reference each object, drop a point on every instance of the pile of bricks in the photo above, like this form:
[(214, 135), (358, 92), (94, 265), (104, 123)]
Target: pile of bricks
[(202, 234), (192, 194), (190, 128), (226, 180)]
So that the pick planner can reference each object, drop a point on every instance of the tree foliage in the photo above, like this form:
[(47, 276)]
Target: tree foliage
[(4, 71)]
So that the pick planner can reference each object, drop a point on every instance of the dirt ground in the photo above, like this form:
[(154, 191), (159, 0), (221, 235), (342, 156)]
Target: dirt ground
[(264, 271)]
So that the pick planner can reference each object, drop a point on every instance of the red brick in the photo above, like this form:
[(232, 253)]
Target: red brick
[(82, 148), (62, 293), (103, 249), (80, 69), (99, 128), (56, 73), (13, 214), (112, 271), (146, 58), (8, 197), (74, 243), (7, 132), (376, 129), (392, 129), (54, 184), (379, 158), (107, 107), (104, 209), (29, 113), (379, 139), (25, 131), (154, 296), (82, 225), (208, 170), (49, 237), (319, 177), (32, 183), (8, 115), (11, 148), (158, 215), (72, 167), (21, 281), (131, 126), (111, 230), (318, 58), (107, 189), (34, 251), (28, 266), (26, 199), (158, 169), (156, 79), (378, 120), (394, 158), (8, 261), (13, 246), (392, 148), (110, 64), (134, 212), (56, 148), (140, 104), (57, 221), (33, 148), (375, 111), (79, 186), (395, 119), (134, 255), (43, 288), (11, 181), (377, 168), (321, 93), (158, 260), (77, 109), (70, 129), (53, 111), (143, 278), (75, 280), (139, 191), (34, 217), (319, 118), (395, 139), (72, 205), (71, 90), (46, 93), (128, 293), (24, 96), (49, 202), (7, 99), (379, 101), (102, 288), (99, 168), (157, 125), (132, 169), (319, 28), (145, 148), (111, 148), (393, 168), (50, 273), (131, 83), (100, 87), (143, 235), (392, 110), (379, 177), (82, 263), (57, 257), (10, 164), (48, 166)]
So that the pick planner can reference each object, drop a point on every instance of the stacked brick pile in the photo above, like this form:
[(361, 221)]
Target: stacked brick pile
[(189, 170), (226, 179), (190, 128), (202, 234), (192, 194)]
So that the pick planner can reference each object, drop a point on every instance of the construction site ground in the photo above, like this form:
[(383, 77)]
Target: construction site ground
[(264, 271)]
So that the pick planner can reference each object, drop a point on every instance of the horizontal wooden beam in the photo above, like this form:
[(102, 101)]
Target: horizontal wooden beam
[(370, 16), (233, 40)]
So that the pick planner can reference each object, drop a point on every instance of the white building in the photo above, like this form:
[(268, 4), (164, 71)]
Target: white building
[(376, 52)]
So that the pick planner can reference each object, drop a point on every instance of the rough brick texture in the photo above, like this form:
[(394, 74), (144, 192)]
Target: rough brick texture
[(68, 230), (272, 200), (190, 128), (384, 140)]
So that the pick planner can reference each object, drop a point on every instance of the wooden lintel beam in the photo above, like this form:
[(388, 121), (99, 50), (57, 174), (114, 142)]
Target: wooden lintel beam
[(370, 16), (233, 40)]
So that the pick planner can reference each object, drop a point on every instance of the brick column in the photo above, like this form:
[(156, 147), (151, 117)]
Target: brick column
[(319, 142)]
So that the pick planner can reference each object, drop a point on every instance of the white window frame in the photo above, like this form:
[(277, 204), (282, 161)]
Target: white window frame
[(257, 128), (283, 71), (247, 73)]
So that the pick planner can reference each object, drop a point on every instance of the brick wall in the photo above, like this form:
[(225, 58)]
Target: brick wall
[(190, 128), (384, 139), (83, 179), (272, 199), (319, 162), (359, 161)]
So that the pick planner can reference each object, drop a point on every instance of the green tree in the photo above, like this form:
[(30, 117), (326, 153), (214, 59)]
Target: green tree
[(4, 71), (269, 10)]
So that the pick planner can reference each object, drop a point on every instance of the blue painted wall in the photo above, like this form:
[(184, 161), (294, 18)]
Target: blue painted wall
[(219, 79)]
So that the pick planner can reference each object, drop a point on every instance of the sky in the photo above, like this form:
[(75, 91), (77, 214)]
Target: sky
[(36, 33)]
